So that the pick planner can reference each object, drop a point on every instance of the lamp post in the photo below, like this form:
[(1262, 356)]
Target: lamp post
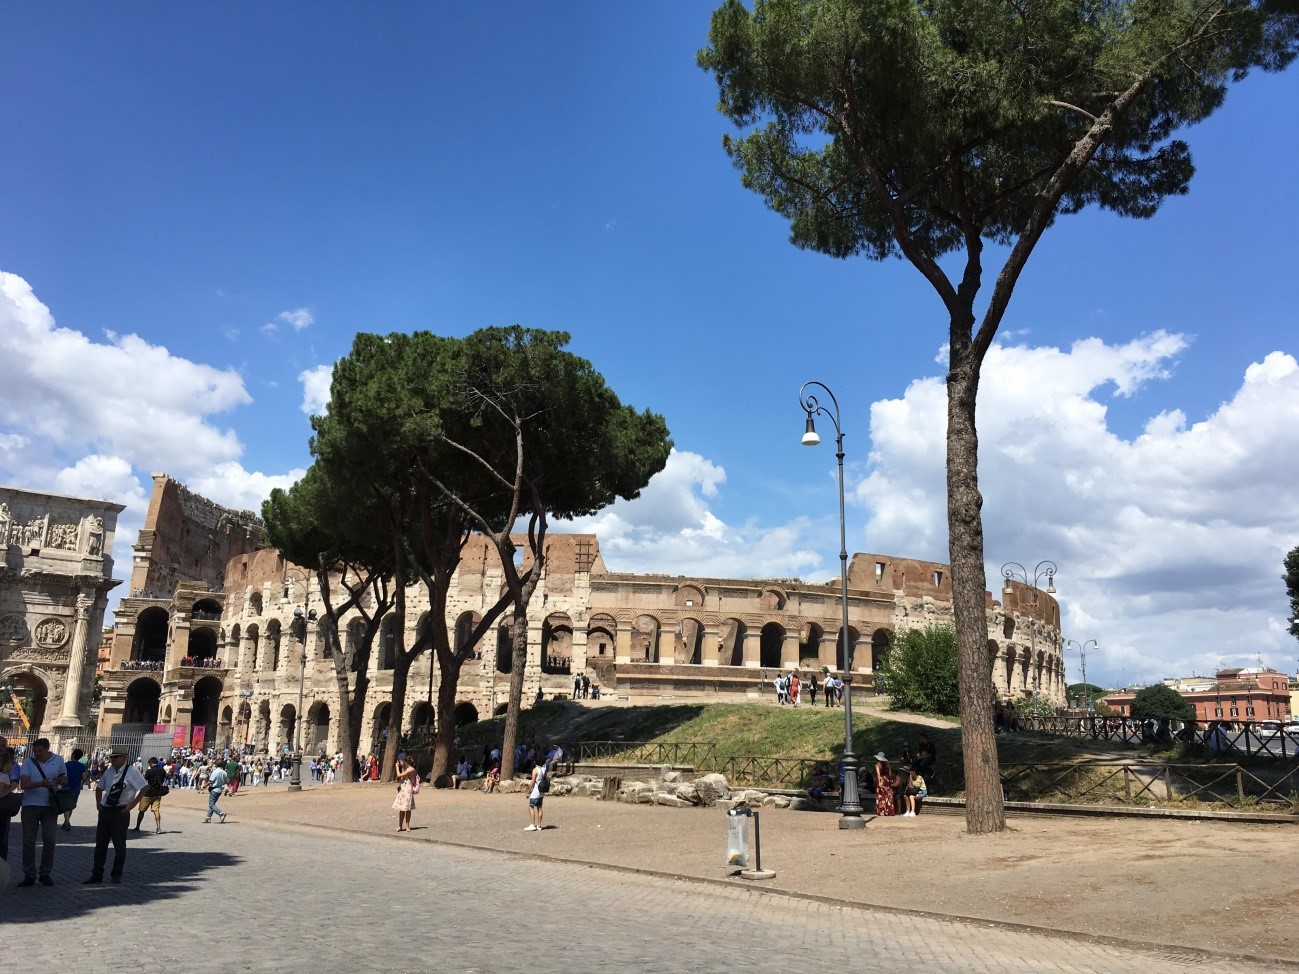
[(1082, 656), (301, 616), (1014, 571), (850, 808)]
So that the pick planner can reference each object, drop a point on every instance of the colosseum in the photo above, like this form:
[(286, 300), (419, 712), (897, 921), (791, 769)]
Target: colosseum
[(219, 635)]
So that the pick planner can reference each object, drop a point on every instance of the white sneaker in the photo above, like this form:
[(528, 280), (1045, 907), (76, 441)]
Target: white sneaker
[(531, 828)]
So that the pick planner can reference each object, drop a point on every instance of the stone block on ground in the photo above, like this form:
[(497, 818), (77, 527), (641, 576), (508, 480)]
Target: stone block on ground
[(712, 788)]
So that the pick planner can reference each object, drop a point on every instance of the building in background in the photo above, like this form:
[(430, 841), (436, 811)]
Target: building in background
[(54, 583), (164, 665), (1252, 693)]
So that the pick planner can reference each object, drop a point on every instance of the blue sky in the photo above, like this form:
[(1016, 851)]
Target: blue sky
[(243, 187)]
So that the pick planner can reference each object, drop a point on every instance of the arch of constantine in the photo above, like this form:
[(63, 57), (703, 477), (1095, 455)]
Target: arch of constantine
[(223, 655)]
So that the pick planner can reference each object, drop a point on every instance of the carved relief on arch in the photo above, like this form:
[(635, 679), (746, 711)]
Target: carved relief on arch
[(773, 598), (51, 633), (13, 630), (689, 595)]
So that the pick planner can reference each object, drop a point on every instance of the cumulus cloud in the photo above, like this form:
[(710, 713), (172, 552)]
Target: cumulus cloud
[(95, 418), (1169, 542), (315, 389), (672, 529), (295, 318)]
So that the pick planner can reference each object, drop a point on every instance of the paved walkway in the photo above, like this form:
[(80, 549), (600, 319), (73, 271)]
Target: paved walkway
[(319, 877)]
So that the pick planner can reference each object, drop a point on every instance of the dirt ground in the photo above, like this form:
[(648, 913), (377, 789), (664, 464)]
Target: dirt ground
[(1226, 887)]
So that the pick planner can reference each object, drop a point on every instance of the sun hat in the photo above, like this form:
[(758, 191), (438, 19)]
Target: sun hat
[(879, 756)]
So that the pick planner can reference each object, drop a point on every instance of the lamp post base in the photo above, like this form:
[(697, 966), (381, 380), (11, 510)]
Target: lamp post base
[(850, 809), (295, 776)]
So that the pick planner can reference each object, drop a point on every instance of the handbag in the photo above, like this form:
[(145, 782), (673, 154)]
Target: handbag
[(414, 785), (11, 804), (61, 800)]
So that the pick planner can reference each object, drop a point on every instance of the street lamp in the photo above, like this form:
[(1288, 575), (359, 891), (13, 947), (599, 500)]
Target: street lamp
[(850, 807), (1082, 655), (301, 616), (1014, 571)]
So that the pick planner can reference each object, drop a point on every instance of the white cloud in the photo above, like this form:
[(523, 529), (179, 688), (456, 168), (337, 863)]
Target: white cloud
[(295, 318), (1169, 544), (671, 529), (316, 383), (94, 419)]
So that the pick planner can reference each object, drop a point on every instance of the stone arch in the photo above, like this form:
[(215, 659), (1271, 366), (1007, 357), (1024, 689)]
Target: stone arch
[(881, 643), (730, 645), (151, 631), (689, 643), (254, 638), (773, 599), (274, 637), (422, 720), (504, 649), (387, 656), (202, 644), (466, 713), (645, 639), (206, 610), (203, 710), (809, 648), (841, 657), (466, 622), (688, 595), (231, 646), (288, 722), (353, 640), (142, 697), (33, 689), (317, 729), (262, 729), (255, 604), (379, 728), (557, 643), (226, 729), (601, 636), (1010, 669), (166, 714), (770, 644)]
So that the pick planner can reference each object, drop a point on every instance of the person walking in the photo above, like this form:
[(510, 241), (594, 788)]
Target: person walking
[(118, 790), (76, 775), (536, 796), (42, 772), (151, 798), (216, 784), (404, 803)]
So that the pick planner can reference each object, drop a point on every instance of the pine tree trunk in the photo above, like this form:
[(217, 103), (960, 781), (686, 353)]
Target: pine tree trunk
[(445, 732), (985, 810), (518, 663)]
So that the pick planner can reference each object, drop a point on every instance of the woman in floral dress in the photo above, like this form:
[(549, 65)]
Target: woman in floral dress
[(405, 801)]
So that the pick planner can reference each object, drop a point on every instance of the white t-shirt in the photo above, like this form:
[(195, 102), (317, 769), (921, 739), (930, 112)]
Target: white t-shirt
[(53, 766), (539, 772), (135, 783)]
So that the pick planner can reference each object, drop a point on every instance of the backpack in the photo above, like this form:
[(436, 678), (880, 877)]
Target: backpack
[(543, 785)]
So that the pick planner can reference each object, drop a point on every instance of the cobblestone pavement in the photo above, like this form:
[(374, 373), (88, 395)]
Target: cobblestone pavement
[(261, 896)]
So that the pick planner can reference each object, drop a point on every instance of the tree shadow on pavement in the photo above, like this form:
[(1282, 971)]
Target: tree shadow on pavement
[(152, 875)]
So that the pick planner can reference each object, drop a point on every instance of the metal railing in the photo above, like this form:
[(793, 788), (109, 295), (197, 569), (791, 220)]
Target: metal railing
[(1230, 738), (1145, 783)]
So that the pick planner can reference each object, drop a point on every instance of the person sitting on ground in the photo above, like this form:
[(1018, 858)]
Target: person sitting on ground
[(464, 771), (820, 782), (926, 756), (915, 791)]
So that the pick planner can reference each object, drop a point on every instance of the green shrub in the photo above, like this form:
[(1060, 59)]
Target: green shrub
[(920, 671)]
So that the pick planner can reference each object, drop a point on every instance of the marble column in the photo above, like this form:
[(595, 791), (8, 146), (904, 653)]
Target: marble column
[(68, 723)]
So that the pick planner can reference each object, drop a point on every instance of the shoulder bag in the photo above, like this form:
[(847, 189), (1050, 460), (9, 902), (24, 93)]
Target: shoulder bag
[(61, 800)]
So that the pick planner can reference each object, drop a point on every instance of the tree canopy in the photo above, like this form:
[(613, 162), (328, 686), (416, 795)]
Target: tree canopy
[(927, 129), (438, 438), (1160, 702)]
